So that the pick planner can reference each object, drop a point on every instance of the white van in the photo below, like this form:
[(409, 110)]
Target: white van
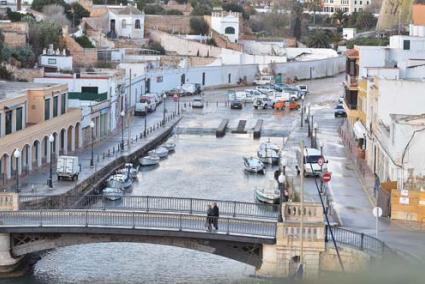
[(311, 162), (68, 167)]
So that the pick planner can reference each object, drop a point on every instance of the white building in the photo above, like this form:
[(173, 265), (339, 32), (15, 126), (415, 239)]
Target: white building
[(126, 21), (55, 60), (348, 6), (226, 24)]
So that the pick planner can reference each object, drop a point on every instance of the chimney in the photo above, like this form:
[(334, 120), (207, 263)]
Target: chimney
[(18, 5)]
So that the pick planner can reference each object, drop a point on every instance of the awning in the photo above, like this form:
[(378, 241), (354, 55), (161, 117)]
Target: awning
[(359, 130)]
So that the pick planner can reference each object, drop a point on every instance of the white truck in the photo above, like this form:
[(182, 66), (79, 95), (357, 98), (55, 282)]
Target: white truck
[(67, 167)]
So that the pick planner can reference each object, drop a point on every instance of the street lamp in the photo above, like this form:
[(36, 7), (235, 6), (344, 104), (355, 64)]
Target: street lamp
[(281, 179), (315, 127), (50, 180), (17, 155), (146, 120), (164, 96), (92, 142), (122, 130)]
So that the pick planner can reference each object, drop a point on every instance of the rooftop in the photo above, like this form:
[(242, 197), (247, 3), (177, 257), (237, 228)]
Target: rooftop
[(414, 119), (10, 90), (125, 10)]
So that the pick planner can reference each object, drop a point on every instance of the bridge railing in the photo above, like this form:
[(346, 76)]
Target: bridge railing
[(360, 241), (151, 204), (133, 220)]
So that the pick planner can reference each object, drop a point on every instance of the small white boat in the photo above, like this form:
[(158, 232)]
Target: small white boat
[(161, 152), (112, 193), (170, 146), (151, 160), (253, 165), (268, 145), (129, 170), (269, 195), (268, 156), (119, 181)]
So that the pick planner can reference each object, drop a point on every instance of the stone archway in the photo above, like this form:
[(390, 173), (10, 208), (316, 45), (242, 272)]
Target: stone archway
[(5, 167), (71, 139), (77, 135), (26, 159), (36, 159), (63, 142)]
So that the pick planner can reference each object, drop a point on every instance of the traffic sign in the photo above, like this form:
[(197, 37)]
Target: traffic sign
[(321, 161), (326, 177), (377, 212)]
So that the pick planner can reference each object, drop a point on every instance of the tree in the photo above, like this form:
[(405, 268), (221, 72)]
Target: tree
[(318, 39), (56, 14), (39, 4), (43, 33), (296, 16), (142, 3), (173, 12), (76, 12), (154, 10), (156, 46), (313, 5), (339, 18), (199, 26)]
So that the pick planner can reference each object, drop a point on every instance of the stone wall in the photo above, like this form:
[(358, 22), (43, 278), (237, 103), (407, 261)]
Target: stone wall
[(15, 34), (222, 42), (24, 74), (353, 260), (81, 57), (173, 24)]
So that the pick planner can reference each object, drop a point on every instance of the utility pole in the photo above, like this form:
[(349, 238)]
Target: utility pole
[(302, 205), (129, 114)]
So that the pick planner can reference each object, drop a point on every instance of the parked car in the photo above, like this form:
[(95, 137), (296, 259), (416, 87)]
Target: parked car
[(198, 103), (311, 162), (67, 167), (154, 97), (198, 88), (150, 102), (341, 99), (236, 104), (141, 108), (264, 80), (262, 102), (340, 111), (231, 95), (189, 89)]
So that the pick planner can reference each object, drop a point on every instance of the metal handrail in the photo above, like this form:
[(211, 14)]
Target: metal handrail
[(360, 241), (135, 220), (150, 204)]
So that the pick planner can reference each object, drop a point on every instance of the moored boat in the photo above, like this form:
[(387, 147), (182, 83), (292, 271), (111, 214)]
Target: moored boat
[(253, 165), (150, 160), (268, 156), (112, 193), (129, 170), (120, 181), (170, 146), (161, 152), (267, 195)]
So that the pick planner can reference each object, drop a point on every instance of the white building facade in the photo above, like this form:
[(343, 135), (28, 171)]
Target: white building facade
[(126, 21), (226, 24)]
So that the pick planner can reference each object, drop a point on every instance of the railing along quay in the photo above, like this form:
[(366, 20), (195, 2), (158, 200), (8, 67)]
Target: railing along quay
[(132, 220), (360, 241), (150, 204)]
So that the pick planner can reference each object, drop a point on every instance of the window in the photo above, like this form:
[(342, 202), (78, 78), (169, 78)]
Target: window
[(51, 61), (406, 44), (19, 118), (123, 23), (46, 109), (229, 31), (63, 103), (137, 24), (55, 106), (89, 90), (8, 122), (361, 2)]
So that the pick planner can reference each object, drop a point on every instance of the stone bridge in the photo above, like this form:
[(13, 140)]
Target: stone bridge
[(248, 232)]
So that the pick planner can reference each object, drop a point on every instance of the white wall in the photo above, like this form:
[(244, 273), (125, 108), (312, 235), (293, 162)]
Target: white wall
[(129, 29), (400, 97), (60, 62)]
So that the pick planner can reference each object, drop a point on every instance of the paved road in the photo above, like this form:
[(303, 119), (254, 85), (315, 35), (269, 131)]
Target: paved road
[(133, 220)]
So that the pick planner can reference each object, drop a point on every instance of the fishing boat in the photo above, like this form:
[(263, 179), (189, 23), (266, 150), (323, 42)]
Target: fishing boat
[(120, 181), (150, 160), (267, 195), (269, 145), (112, 193), (129, 170), (161, 152), (170, 146), (253, 165), (268, 156)]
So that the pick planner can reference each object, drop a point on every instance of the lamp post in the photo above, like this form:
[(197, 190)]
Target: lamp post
[(92, 142), (315, 127), (302, 110), (17, 155), (146, 120), (281, 179), (122, 130), (50, 180), (164, 96), (178, 104)]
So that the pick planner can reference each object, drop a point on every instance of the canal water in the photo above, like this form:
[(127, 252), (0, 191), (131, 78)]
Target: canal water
[(201, 167)]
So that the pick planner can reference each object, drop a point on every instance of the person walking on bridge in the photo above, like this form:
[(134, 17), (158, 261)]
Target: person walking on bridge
[(210, 217), (216, 213)]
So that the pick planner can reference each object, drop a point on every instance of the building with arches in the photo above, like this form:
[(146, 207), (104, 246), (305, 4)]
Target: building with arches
[(29, 114)]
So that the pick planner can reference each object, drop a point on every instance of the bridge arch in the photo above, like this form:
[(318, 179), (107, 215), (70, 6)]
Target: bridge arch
[(245, 252)]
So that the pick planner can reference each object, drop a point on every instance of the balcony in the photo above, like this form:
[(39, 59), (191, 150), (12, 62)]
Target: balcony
[(350, 99), (351, 81), (86, 96)]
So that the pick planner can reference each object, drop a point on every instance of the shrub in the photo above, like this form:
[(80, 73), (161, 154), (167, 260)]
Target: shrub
[(84, 41), (154, 10), (198, 26)]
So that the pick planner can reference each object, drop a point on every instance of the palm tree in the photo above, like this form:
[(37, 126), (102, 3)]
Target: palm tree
[(318, 39), (339, 18)]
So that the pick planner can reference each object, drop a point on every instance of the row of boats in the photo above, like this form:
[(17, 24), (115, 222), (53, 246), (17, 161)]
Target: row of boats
[(118, 183), (267, 153)]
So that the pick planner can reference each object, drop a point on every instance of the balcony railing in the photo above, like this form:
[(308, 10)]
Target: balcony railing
[(86, 96)]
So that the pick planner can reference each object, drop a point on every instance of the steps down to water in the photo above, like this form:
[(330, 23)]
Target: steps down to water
[(221, 129), (241, 127), (257, 129)]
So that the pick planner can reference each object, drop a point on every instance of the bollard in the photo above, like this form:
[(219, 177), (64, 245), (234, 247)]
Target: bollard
[(109, 152), (136, 138), (141, 135), (103, 156), (98, 158), (113, 151)]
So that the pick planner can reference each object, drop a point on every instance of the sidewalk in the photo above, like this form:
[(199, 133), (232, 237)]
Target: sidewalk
[(104, 152)]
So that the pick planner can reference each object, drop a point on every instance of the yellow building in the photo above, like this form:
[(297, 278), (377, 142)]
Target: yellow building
[(351, 86), (29, 114)]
